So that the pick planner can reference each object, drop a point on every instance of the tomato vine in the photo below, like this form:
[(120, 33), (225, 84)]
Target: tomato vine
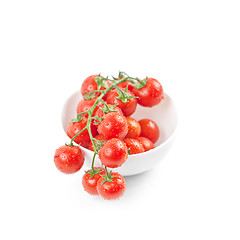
[(123, 96)]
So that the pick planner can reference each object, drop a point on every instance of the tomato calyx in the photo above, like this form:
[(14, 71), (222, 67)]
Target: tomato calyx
[(94, 171), (108, 177), (101, 81), (107, 108), (140, 83), (135, 82), (123, 95)]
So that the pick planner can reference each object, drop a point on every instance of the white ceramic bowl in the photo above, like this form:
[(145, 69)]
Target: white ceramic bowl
[(164, 114)]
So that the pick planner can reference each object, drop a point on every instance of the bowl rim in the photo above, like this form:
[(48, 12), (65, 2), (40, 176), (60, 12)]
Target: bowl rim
[(144, 153)]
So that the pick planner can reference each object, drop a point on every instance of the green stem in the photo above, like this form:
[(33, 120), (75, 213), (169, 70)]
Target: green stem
[(94, 156), (71, 142)]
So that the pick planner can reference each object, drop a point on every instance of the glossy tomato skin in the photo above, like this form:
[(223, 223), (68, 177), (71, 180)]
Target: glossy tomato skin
[(69, 159), (127, 108), (112, 190), (90, 183), (134, 128), (83, 139), (113, 153), (85, 105), (89, 85), (98, 137), (149, 129), (151, 94), (134, 146), (113, 125), (147, 143)]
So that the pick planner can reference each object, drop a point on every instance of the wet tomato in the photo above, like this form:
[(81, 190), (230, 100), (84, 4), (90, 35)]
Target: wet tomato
[(134, 146), (90, 179), (83, 138), (113, 153), (69, 159), (149, 129), (151, 94), (113, 189), (113, 125), (147, 143), (134, 128)]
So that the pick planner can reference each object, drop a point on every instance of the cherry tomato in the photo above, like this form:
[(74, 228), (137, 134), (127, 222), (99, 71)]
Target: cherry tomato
[(98, 137), (89, 180), (113, 153), (134, 146), (147, 143), (151, 94), (85, 105), (111, 190), (127, 108), (69, 159), (89, 85), (134, 128), (113, 125), (149, 129), (83, 139), (123, 85)]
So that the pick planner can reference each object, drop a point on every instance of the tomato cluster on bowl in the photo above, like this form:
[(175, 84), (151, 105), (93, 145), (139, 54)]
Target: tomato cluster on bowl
[(104, 125)]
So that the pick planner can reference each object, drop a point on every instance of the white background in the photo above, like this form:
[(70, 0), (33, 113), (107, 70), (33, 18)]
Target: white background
[(192, 47)]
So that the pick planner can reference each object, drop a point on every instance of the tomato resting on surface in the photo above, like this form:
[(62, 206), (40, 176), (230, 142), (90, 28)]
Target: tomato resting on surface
[(134, 128), (134, 146), (151, 94), (147, 143), (127, 108), (113, 125), (90, 179), (69, 159), (111, 190), (113, 153), (83, 139), (149, 129)]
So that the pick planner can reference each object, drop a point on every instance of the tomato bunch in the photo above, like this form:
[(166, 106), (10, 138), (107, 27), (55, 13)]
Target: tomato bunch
[(104, 125)]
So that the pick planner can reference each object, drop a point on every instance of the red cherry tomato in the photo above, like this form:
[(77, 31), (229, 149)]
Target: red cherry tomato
[(134, 146), (147, 143), (83, 139), (89, 180), (111, 190), (127, 108), (149, 129), (98, 137), (113, 125), (134, 128), (151, 94), (113, 153), (89, 85), (69, 159), (85, 105)]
